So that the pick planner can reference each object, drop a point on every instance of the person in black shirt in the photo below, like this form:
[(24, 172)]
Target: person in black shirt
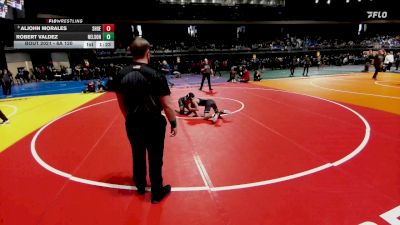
[(397, 60), (6, 82), (142, 94), (306, 65), (293, 64), (369, 58), (378, 63)]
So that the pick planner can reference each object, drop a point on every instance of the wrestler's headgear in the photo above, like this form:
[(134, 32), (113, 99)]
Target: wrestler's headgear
[(190, 95)]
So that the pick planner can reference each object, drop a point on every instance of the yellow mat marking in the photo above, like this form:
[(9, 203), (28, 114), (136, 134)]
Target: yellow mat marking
[(30, 113), (357, 89)]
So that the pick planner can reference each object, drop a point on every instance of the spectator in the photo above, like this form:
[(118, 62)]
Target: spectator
[(397, 60), (389, 60), (232, 75), (6, 82), (293, 64), (91, 88), (166, 69), (257, 75), (246, 76)]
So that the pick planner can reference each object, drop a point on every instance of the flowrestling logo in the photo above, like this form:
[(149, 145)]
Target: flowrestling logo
[(377, 14)]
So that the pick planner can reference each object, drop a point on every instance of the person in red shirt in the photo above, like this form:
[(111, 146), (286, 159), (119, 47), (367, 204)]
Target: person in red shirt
[(246, 76)]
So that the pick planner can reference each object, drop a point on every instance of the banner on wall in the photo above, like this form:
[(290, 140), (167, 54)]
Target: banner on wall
[(18, 4), (3, 10), (11, 3)]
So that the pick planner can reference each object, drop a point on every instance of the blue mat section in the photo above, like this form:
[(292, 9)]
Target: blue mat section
[(68, 87), (47, 88)]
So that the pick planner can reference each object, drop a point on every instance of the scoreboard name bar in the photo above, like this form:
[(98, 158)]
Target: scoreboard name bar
[(63, 44), (64, 27), (67, 36)]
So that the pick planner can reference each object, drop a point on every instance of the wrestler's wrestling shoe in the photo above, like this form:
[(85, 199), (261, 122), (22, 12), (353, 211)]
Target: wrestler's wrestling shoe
[(225, 112), (5, 122), (215, 117)]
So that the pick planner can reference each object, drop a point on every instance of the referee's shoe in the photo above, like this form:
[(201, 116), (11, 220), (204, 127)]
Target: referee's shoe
[(158, 196)]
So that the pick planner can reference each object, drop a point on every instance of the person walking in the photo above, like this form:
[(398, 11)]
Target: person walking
[(378, 63)]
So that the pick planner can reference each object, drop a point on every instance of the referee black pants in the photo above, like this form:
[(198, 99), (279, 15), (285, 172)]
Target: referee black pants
[(206, 75), (377, 70), (2, 116), (6, 88), (147, 133), (292, 70), (306, 70)]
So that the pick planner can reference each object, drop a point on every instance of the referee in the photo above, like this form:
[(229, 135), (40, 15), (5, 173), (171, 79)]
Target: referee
[(206, 72), (142, 94)]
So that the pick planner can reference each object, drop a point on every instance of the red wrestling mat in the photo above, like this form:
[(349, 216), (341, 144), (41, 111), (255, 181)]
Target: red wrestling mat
[(280, 158)]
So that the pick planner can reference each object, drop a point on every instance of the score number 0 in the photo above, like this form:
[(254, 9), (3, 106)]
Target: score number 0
[(108, 32), (108, 27)]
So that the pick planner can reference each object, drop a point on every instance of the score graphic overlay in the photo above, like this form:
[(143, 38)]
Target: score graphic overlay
[(67, 36)]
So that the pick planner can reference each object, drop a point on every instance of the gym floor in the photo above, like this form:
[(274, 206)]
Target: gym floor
[(303, 150)]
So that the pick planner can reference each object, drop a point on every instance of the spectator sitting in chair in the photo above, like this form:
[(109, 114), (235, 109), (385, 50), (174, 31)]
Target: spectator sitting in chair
[(100, 86), (232, 74), (91, 88)]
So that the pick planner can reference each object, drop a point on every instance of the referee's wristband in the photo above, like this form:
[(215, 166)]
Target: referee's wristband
[(173, 123)]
